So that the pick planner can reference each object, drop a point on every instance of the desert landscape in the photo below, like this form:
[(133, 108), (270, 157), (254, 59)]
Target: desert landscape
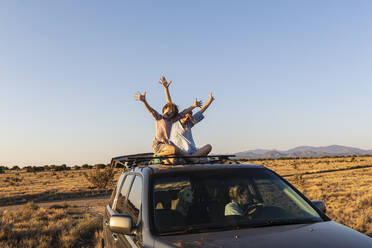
[(283, 84), (342, 183), (28, 220)]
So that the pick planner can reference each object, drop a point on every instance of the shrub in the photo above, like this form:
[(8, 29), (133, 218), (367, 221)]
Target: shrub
[(87, 166), (16, 167), (34, 169), (59, 206), (16, 179), (99, 166), (61, 168), (29, 206), (101, 178)]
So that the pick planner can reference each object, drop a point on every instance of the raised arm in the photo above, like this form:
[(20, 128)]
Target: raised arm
[(191, 108), (142, 98), (166, 84), (206, 105)]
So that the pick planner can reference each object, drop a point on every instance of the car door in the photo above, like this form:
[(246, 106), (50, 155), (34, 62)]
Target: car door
[(108, 211), (132, 207), (122, 190)]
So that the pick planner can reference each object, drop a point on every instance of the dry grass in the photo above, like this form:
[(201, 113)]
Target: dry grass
[(18, 183), (57, 226), (346, 193), (298, 166)]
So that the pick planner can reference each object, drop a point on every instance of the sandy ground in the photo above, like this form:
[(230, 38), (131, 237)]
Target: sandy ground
[(95, 205)]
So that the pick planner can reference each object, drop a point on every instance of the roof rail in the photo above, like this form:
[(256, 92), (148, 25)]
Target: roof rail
[(145, 159)]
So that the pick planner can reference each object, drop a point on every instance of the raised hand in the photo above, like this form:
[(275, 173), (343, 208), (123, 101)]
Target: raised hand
[(211, 98), (140, 97), (164, 82), (197, 103), (208, 103)]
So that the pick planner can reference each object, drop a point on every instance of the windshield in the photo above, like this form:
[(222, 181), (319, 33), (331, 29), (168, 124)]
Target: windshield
[(225, 199)]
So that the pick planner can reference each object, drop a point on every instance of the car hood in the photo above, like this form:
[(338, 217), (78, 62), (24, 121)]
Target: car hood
[(321, 234)]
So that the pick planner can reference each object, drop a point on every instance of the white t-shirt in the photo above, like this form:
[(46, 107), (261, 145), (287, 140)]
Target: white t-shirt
[(183, 138)]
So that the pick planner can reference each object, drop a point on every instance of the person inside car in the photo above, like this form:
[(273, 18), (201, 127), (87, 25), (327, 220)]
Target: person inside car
[(181, 134), (240, 198), (161, 144), (184, 201)]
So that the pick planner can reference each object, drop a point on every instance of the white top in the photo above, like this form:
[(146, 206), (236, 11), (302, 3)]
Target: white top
[(183, 138)]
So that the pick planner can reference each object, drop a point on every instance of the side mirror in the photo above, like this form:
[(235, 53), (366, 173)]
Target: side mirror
[(320, 205), (121, 224)]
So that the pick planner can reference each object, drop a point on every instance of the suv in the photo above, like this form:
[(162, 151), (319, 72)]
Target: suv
[(215, 204)]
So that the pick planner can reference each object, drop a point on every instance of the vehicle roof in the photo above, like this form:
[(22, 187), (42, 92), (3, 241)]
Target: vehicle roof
[(160, 169), (141, 163)]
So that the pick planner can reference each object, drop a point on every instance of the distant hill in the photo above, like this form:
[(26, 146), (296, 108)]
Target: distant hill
[(304, 152)]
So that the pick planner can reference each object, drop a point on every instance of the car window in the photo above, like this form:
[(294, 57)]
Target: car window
[(274, 195), (123, 193), (225, 198), (133, 205), (112, 197), (115, 191)]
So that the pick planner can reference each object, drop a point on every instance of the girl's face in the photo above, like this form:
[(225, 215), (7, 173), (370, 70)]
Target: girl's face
[(168, 113), (243, 199)]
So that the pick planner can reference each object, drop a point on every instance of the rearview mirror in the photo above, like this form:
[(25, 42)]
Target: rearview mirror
[(121, 223), (320, 205)]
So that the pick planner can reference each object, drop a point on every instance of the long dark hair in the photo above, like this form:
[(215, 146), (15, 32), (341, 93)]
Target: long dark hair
[(237, 190), (172, 106)]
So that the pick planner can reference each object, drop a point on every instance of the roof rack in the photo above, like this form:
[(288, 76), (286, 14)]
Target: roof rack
[(145, 159)]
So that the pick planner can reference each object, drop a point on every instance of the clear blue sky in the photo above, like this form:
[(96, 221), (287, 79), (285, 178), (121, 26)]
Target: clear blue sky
[(284, 73)]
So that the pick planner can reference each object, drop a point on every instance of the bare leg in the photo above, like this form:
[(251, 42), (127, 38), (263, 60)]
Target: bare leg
[(167, 150), (185, 155), (170, 150), (204, 151)]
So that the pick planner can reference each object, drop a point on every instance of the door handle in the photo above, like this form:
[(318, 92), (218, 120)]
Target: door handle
[(107, 223), (115, 237)]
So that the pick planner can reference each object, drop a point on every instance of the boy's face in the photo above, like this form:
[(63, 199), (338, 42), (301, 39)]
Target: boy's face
[(188, 117)]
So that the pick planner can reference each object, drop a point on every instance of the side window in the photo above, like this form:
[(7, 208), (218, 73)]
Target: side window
[(112, 197), (133, 205), (123, 193), (115, 191)]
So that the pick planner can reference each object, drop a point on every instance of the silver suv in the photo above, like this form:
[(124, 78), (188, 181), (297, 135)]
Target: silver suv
[(215, 204)]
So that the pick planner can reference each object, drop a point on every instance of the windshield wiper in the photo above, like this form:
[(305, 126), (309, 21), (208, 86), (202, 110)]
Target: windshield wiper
[(199, 229), (209, 228), (282, 222)]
